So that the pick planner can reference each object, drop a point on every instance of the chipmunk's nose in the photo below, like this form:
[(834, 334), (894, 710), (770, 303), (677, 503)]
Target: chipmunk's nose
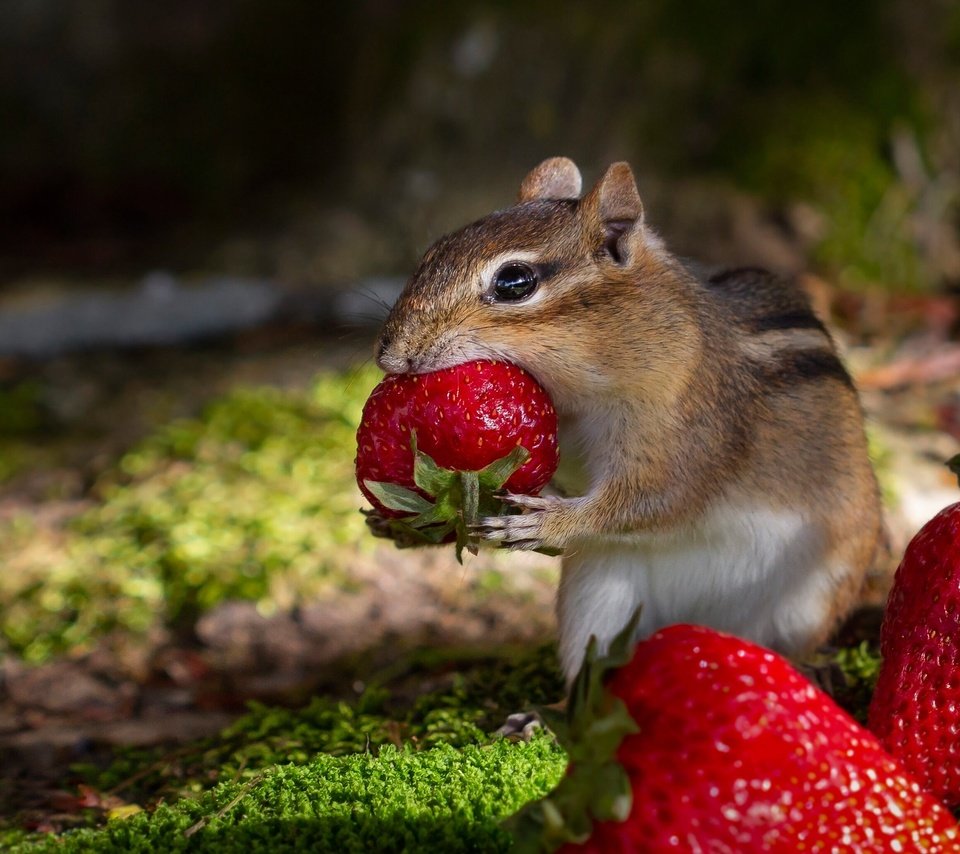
[(392, 363), (395, 365)]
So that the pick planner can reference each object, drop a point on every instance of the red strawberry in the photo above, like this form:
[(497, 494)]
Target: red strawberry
[(915, 711), (435, 447), (705, 742)]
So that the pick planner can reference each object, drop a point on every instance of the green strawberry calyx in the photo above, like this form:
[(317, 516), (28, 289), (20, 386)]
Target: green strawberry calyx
[(954, 465), (459, 499), (596, 787)]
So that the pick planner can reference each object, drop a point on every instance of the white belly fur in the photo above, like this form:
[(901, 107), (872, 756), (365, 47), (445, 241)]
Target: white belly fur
[(751, 571)]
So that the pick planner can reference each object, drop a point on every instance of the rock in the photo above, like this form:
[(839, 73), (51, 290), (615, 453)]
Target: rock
[(66, 687), (162, 310)]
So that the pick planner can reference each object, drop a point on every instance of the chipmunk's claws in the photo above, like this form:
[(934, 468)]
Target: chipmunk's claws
[(526, 502), (514, 532), (520, 725), (541, 524)]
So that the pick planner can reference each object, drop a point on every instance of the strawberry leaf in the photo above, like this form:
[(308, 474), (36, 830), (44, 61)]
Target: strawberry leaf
[(403, 533), (470, 487), (490, 505), (430, 477), (460, 500), (463, 539), (436, 534), (587, 694), (397, 497), (597, 788), (437, 513), (470, 508), (497, 473), (614, 796), (593, 792)]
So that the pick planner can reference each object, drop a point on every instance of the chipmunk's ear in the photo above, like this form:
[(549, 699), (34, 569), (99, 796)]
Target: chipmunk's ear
[(557, 178), (613, 211)]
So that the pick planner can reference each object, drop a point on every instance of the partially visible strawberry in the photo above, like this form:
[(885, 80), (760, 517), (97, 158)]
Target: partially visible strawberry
[(915, 711), (700, 741), (432, 449)]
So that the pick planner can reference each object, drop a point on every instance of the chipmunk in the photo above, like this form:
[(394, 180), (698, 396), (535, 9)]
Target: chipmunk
[(723, 439)]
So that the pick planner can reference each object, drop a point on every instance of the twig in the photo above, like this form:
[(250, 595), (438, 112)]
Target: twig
[(222, 812), (166, 759)]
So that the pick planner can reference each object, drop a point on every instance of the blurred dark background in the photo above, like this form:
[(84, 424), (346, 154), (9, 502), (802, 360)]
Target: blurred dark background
[(323, 142)]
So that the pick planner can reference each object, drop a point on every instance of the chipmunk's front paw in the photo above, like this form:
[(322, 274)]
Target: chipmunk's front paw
[(545, 523)]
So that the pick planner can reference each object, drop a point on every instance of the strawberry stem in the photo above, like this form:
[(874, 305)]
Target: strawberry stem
[(457, 501), (596, 787)]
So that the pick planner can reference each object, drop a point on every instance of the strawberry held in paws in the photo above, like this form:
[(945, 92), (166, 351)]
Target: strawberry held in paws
[(700, 741), (432, 449), (915, 711)]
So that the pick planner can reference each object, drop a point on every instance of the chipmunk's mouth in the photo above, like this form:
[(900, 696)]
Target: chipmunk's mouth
[(393, 363), (448, 351), (418, 363), (445, 352)]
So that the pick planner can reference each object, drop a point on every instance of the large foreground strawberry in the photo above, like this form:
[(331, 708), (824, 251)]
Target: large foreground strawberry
[(704, 742), (915, 711), (432, 449)]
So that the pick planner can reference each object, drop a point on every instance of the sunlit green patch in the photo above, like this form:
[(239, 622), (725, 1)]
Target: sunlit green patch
[(882, 457), (837, 157), (442, 799), (852, 137), (860, 668), (255, 499)]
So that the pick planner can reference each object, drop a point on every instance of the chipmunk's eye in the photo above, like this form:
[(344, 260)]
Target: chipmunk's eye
[(513, 282)]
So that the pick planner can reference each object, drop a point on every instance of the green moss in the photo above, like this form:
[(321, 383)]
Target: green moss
[(10, 839), (254, 500), (380, 773), (861, 663), (22, 416), (442, 799), (882, 458), (808, 118), (860, 666), (21, 410), (836, 156), (475, 701)]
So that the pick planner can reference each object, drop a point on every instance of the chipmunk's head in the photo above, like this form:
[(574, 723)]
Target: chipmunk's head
[(542, 284)]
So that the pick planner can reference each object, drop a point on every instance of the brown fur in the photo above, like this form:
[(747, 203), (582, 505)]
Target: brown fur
[(688, 389)]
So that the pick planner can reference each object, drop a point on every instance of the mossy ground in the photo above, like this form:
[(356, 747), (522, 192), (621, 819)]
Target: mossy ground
[(254, 499), (472, 702), (380, 774), (426, 774)]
